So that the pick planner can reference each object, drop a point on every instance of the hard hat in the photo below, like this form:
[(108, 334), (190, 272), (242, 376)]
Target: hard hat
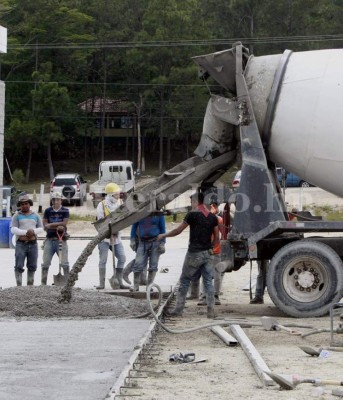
[(56, 195), (112, 188)]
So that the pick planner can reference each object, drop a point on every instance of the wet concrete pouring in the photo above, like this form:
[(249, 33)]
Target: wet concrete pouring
[(38, 302)]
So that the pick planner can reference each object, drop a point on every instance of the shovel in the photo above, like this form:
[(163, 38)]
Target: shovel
[(59, 279), (114, 283), (271, 324), (290, 385), (314, 352)]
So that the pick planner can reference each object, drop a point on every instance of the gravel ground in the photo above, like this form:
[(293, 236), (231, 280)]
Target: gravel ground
[(41, 302)]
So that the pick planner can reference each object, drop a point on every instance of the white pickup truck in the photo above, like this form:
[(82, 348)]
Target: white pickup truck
[(119, 172)]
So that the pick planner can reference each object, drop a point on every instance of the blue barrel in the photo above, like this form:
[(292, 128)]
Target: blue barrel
[(5, 234)]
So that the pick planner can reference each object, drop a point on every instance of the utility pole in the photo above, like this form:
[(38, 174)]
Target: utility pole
[(3, 49), (103, 114)]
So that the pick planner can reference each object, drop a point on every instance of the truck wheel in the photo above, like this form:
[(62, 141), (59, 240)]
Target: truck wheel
[(304, 184), (305, 278), (81, 201)]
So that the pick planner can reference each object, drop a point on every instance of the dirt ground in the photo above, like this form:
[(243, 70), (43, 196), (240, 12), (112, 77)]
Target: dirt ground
[(227, 373)]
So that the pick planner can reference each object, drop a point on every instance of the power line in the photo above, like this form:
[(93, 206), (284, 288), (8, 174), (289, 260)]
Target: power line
[(113, 83), (166, 117), (178, 43)]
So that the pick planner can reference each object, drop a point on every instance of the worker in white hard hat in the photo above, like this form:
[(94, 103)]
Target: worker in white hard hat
[(55, 220), (110, 204)]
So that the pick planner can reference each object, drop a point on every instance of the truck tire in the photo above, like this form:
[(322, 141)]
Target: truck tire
[(305, 278)]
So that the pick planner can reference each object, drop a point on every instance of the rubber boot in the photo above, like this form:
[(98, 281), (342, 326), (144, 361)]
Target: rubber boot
[(127, 271), (102, 276), (44, 277), (217, 285), (210, 306), (143, 279), (66, 272), (151, 277), (30, 277), (18, 277), (202, 301), (119, 275), (180, 304), (136, 281), (194, 290), (202, 298)]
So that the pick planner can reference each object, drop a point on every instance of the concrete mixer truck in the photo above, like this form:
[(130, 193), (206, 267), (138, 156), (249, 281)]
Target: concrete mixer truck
[(280, 110)]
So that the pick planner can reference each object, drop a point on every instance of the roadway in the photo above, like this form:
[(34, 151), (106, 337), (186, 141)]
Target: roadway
[(82, 359), (72, 359)]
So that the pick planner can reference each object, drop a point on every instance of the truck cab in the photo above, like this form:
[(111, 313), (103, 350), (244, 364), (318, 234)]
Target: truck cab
[(119, 172)]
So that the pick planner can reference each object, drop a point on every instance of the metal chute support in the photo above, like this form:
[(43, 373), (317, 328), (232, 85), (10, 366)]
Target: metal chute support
[(153, 197), (228, 68)]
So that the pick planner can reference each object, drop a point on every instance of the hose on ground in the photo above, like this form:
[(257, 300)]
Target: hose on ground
[(154, 309), (217, 323), (315, 332)]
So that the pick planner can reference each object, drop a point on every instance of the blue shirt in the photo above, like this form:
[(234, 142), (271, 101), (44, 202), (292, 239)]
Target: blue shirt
[(148, 228), (53, 216)]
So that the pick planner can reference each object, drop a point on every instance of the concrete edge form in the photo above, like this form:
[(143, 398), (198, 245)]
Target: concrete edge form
[(115, 390), (224, 336), (253, 355)]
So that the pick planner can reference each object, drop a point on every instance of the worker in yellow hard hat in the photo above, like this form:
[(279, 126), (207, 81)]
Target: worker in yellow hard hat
[(110, 204)]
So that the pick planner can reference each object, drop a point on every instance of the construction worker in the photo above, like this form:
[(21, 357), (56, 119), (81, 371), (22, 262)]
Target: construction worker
[(127, 271), (260, 282), (217, 275), (26, 225), (55, 220), (148, 249), (110, 204), (199, 258)]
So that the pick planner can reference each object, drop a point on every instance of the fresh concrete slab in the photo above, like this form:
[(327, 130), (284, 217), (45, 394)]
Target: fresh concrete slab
[(64, 359)]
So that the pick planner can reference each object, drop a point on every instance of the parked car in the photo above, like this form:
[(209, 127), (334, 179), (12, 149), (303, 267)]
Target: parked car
[(72, 186), (237, 179), (9, 191), (291, 180)]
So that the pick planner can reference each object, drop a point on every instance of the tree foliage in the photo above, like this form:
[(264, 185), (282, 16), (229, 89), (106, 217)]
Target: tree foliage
[(61, 52)]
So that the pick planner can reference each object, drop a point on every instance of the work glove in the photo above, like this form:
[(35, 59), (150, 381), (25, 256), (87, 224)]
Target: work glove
[(161, 248), (133, 245)]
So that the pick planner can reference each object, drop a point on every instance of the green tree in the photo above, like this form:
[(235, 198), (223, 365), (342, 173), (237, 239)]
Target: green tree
[(21, 136), (52, 111), (172, 20)]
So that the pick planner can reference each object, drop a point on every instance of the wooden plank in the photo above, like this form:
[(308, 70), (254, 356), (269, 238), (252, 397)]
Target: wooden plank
[(224, 336), (253, 355)]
